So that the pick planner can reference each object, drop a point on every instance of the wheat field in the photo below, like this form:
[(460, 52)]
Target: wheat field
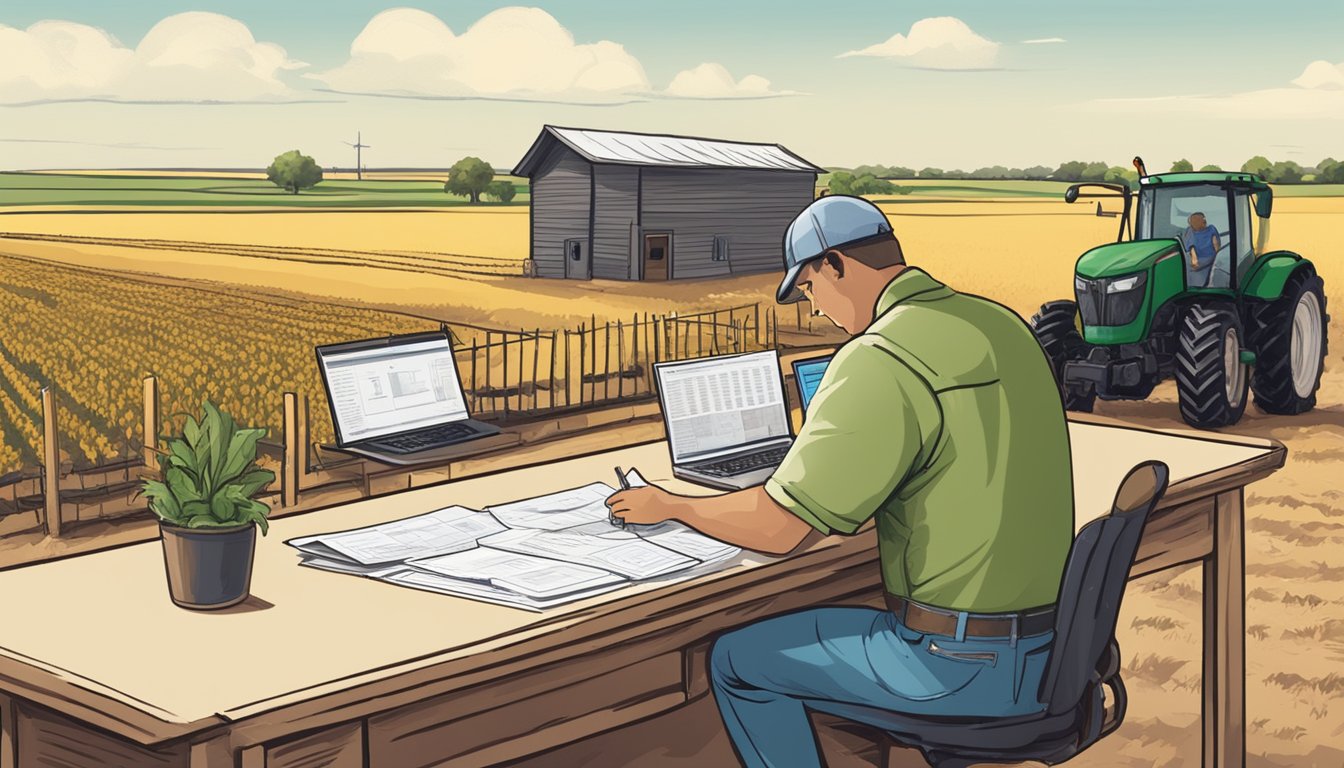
[(1018, 252)]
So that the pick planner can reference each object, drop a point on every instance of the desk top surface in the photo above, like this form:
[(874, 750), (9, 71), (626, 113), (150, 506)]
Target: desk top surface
[(102, 626)]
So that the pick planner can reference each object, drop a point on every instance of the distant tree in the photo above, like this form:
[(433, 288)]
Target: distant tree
[(955, 173), (1285, 172), (503, 191), (1332, 173), (293, 171), (469, 176), (932, 173), (1259, 165), (991, 172), (1118, 174), (1211, 169), (1036, 172), (1329, 171), (1094, 172), (900, 172), (844, 183), (1182, 166), (1070, 171)]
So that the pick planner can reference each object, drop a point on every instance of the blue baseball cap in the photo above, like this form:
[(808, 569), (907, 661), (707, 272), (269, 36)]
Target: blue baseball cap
[(833, 221)]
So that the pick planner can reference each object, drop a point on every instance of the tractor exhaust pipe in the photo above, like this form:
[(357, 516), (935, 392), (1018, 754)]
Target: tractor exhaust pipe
[(1138, 166)]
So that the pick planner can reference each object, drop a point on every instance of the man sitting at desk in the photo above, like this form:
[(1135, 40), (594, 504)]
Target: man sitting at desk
[(941, 421)]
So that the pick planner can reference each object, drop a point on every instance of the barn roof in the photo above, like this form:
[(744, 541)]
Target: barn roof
[(646, 149)]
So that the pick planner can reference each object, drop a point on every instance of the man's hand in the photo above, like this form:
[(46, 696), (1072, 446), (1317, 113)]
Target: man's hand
[(644, 506), (1194, 260)]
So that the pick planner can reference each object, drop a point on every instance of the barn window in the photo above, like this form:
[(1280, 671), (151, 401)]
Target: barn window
[(720, 247)]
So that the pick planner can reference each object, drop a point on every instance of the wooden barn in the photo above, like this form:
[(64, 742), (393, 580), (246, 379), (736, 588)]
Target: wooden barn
[(633, 206)]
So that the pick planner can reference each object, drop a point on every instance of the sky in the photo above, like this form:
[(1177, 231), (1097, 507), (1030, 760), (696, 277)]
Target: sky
[(155, 83)]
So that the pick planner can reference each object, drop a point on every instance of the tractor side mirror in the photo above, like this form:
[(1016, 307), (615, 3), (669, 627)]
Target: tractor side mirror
[(1071, 194)]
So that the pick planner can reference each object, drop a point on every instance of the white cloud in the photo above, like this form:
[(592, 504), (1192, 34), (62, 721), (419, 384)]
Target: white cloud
[(1322, 74), (1044, 40), (188, 57), (713, 81), (518, 53), (1318, 95), (941, 42)]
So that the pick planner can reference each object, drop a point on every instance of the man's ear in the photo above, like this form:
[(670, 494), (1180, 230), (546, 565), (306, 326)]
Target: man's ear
[(832, 259)]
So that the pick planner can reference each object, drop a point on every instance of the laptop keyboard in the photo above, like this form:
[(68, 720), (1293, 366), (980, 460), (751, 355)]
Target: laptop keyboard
[(428, 438), (740, 465)]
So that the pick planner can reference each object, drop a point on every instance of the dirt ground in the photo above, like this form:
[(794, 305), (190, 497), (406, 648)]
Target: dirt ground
[(1019, 253)]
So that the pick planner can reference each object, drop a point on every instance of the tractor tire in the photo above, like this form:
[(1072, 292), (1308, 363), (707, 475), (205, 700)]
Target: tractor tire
[(1056, 329), (1290, 339), (1210, 378)]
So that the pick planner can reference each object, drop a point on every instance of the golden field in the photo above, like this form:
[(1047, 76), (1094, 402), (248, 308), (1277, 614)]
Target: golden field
[(1019, 252)]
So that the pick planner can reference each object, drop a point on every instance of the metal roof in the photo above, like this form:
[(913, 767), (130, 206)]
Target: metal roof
[(644, 149)]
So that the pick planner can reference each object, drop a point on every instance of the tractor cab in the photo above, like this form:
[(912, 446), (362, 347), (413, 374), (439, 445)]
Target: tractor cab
[(1192, 294)]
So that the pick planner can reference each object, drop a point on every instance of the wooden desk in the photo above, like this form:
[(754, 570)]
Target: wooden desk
[(97, 667)]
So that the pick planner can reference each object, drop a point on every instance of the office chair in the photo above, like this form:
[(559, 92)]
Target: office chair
[(1084, 662)]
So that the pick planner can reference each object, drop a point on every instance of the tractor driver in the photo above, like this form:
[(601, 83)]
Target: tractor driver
[(1202, 244)]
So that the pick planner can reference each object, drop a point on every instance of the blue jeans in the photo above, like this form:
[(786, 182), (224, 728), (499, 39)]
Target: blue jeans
[(767, 675)]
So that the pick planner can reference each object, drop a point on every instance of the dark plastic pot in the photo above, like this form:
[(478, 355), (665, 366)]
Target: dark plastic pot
[(208, 568)]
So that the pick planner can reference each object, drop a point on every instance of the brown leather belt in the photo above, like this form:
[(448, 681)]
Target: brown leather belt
[(939, 621)]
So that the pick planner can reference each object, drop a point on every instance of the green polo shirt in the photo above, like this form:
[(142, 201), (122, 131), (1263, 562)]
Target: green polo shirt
[(943, 421)]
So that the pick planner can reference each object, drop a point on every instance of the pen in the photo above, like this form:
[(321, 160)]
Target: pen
[(625, 486)]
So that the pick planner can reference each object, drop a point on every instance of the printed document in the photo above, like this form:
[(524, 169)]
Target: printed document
[(555, 511), (452, 529), (537, 577), (627, 555)]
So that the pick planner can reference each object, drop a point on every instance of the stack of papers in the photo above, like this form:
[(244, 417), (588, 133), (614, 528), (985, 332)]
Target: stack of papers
[(533, 554)]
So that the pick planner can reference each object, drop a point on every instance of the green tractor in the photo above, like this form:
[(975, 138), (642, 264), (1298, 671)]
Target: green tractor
[(1215, 309)]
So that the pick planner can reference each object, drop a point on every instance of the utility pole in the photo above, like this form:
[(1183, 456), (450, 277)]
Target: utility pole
[(358, 145)]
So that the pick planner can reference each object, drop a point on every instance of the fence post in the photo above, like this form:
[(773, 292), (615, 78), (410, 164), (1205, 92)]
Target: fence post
[(620, 359), (536, 357), (757, 318), (504, 388), (289, 461), (475, 390), (569, 381), (151, 422), (305, 439), (583, 360), (51, 465), (550, 393)]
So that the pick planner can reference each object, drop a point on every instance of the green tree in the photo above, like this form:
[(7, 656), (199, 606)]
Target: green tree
[(1036, 172), (1285, 172), (469, 177), (1070, 171), (1327, 169), (503, 191), (1118, 174), (1094, 172), (932, 173), (1259, 165), (1211, 169), (1182, 166), (293, 171)]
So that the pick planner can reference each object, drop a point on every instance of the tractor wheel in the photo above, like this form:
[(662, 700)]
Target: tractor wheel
[(1056, 328), (1290, 340), (1210, 377)]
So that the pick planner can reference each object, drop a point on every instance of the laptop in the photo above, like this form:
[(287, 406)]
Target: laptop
[(807, 375), (397, 399), (727, 422)]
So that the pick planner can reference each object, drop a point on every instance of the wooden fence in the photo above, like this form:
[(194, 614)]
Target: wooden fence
[(507, 376)]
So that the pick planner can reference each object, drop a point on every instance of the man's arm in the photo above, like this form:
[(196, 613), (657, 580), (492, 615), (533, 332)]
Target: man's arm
[(749, 519)]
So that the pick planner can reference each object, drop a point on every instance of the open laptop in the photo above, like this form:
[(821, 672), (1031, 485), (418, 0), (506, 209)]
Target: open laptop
[(807, 375), (397, 399), (727, 422)]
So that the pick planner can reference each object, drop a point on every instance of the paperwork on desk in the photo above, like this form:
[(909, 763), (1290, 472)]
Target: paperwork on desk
[(534, 554)]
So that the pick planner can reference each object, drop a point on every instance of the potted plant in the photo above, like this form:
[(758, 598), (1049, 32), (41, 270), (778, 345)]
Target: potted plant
[(208, 518)]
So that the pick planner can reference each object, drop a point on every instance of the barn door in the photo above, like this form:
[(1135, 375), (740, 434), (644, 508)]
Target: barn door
[(578, 263), (658, 256)]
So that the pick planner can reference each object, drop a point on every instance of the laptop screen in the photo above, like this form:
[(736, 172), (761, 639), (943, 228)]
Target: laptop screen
[(385, 386), (716, 405), (808, 374)]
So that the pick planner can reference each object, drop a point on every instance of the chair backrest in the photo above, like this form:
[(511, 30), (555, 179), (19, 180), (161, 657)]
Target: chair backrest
[(1093, 584)]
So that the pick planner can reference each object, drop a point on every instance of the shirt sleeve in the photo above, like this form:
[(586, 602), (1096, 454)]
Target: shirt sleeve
[(870, 426)]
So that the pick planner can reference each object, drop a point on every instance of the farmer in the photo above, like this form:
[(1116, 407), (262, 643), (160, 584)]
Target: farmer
[(1201, 246), (941, 422)]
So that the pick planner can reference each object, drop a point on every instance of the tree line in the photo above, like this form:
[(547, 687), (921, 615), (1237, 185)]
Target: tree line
[(470, 177), (1328, 171)]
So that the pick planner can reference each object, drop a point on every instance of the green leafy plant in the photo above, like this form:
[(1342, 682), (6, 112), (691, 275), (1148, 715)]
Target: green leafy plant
[(209, 475)]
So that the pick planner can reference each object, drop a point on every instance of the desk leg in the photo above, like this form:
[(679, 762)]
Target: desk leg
[(9, 726), (1224, 707), (216, 753)]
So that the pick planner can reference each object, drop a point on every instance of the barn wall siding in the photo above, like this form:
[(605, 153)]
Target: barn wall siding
[(560, 203), (616, 195), (751, 208)]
